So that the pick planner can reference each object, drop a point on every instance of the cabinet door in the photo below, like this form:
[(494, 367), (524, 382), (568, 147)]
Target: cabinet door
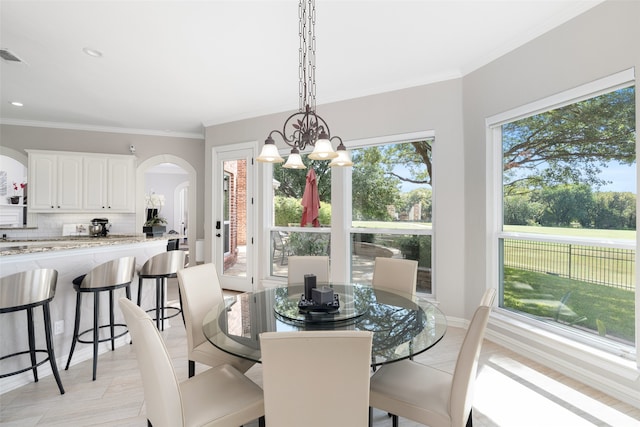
[(121, 189), (69, 173), (42, 182), (95, 188)]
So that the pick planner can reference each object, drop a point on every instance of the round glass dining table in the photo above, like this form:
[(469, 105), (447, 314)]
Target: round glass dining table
[(402, 325)]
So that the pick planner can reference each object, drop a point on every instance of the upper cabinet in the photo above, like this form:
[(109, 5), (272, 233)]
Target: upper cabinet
[(111, 183), (72, 182), (55, 182)]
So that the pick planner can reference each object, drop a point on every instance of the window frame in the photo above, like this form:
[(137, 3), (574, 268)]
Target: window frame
[(341, 219), (494, 217)]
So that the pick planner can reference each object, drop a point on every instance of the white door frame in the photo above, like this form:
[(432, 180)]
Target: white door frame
[(219, 155)]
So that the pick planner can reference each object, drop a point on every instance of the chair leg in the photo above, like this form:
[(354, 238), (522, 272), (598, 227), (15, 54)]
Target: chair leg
[(139, 291), (32, 343), (181, 310), (261, 422), (192, 368), (470, 419), (76, 328), (158, 302), (112, 328), (370, 416), (52, 356), (394, 421), (96, 331)]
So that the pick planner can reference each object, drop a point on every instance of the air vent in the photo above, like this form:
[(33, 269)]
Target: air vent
[(8, 56)]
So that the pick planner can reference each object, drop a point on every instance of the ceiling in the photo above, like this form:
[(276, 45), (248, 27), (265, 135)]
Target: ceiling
[(172, 67)]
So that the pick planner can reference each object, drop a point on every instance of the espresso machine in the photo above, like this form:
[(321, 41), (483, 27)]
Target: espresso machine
[(99, 227)]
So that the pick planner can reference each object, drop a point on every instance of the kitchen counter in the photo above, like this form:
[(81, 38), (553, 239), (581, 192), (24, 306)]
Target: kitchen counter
[(47, 244), (71, 257)]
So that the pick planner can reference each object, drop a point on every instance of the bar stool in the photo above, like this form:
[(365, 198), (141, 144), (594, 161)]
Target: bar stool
[(25, 291), (161, 267), (109, 276)]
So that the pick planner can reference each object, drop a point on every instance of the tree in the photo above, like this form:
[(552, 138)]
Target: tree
[(373, 189), (565, 204), (414, 157), (570, 144), (293, 181)]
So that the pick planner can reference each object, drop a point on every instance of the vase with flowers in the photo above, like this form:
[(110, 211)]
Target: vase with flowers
[(155, 225), (17, 189)]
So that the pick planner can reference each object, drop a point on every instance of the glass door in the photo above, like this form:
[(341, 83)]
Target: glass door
[(233, 218)]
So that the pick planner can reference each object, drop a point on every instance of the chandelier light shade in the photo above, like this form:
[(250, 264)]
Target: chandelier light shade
[(305, 128)]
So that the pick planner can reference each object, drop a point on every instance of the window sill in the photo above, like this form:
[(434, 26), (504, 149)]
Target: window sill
[(613, 374)]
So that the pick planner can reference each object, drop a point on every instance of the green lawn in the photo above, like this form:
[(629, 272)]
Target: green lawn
[(574, 232), (587, 305)]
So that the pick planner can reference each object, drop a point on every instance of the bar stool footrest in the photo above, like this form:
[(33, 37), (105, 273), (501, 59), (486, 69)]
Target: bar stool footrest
[(153, 310), (29, 368), (109, 338)]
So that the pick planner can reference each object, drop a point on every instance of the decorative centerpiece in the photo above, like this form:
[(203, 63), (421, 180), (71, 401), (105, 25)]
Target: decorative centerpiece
[(155, 226), (17, 188), (317, 300)]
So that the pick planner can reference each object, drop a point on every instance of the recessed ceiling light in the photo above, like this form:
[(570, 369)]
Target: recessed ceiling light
[(92, 52), (16, 104)]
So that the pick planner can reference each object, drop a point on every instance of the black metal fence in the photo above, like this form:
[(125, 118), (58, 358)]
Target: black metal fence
[(605, 266)]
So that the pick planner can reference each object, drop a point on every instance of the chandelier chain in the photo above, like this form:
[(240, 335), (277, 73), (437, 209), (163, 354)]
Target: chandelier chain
[(306, 128), (312, 55), (302, 96)]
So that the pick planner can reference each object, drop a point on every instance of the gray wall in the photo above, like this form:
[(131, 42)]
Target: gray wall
[(436, 107), (20, 138), (601, 42)]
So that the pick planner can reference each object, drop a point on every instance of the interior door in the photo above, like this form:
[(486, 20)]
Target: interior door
[(233, 222)]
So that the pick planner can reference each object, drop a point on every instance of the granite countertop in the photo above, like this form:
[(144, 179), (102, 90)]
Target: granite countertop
[(46, 244)]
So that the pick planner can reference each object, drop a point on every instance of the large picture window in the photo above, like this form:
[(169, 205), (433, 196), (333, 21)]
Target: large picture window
[(384, 208), (392, 208), (567, 236)]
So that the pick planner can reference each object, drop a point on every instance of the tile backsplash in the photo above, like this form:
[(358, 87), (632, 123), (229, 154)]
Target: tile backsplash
[(51, 225)]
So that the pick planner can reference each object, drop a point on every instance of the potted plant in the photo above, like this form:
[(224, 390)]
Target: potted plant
[(155, 224), (15, 199)]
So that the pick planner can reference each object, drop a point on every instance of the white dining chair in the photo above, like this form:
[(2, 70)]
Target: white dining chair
[(201, 291), (428, 395), (220, 396), (299, 265), (395, 274), (316, 378)]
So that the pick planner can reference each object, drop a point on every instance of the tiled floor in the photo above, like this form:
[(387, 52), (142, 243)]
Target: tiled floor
[(510, 391)]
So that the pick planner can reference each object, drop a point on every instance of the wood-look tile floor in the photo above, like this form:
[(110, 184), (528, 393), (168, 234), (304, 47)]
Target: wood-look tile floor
[(510, 391)]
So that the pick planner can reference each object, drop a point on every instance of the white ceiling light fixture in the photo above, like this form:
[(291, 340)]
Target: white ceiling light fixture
[(306, 128), (16, 103)]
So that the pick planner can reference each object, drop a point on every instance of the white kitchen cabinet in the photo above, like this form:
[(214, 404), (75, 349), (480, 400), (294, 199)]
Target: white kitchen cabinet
[(55, 182), (110, 181), (70, 182)]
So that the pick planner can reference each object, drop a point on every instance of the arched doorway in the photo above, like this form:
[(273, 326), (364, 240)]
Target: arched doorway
[(141, 186)]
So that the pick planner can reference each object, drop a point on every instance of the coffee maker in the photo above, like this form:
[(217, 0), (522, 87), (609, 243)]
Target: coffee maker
[(100, 227)]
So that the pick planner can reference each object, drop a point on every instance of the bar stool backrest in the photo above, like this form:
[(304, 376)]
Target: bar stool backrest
[(111, 273), (164, 264), (27, 288)]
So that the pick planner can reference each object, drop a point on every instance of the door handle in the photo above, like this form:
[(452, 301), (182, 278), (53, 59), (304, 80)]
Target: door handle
[(218, 235)]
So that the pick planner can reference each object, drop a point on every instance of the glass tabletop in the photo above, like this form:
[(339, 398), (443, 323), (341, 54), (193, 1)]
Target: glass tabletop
[(402, 325)]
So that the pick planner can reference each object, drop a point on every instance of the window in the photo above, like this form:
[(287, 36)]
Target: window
[(382, 208), (566, 232), (392, 207), (288, 237)]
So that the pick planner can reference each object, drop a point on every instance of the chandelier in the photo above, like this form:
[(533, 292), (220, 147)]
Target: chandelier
[(305, 128)]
